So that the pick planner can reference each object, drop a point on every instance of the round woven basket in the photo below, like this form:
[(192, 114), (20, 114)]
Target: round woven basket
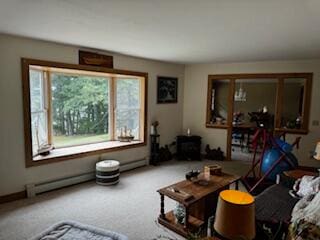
[(107, 172)]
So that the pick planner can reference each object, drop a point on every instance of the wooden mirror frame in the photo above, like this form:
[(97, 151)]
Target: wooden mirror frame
[(280, 77)]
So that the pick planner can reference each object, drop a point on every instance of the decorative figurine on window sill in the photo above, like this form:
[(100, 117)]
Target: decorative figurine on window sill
[(125, 135)]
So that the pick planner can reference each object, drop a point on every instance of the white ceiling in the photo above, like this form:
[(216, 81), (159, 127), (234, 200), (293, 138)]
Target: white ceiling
[(185, 31)]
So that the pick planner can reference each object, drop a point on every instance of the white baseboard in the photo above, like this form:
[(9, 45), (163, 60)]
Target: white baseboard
[(36, 188)]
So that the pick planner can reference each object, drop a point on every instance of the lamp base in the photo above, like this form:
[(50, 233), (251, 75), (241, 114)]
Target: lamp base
[(216, 235)]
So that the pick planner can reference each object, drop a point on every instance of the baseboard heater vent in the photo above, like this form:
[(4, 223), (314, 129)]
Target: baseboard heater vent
[(36, 188)]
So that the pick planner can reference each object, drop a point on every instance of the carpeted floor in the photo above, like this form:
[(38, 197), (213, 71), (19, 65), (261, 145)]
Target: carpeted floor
[(131, 207)]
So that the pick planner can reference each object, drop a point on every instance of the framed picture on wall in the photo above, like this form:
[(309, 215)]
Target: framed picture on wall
[(95, 59), (167, 90)]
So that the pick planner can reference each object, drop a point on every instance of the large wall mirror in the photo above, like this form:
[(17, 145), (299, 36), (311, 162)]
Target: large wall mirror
[(253, 95), (219, 103), (295, 103), (233, 98)]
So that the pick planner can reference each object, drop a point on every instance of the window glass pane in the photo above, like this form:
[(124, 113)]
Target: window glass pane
[(80, 109), (128, 93), (36, 87), (128, 106), (39, 128), (128, 119)]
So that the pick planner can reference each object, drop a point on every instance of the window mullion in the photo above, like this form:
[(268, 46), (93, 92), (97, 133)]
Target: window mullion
[(142, 109), (48, 101), (112, 121)]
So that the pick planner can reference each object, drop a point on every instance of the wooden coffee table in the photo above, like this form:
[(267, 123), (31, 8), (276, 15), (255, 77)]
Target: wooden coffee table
[(198, 199)]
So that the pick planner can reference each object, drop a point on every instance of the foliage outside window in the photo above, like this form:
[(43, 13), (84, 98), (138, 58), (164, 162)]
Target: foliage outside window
[(72, 107), (80, 109)]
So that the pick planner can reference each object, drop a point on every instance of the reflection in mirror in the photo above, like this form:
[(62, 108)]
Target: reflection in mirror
[(292, 106), (254, 96), (219, 102)]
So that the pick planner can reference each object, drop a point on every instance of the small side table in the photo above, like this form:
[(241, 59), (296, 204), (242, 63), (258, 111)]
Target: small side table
[(299, 173), (154, 148)]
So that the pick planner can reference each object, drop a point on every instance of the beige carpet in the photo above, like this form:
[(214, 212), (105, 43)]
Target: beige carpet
[(131, 207)]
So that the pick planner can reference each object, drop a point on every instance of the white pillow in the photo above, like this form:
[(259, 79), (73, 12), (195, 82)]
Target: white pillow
[(307, 185)]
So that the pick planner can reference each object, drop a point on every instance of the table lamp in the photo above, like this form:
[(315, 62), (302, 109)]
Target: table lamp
[(317, 154), (235, 215)]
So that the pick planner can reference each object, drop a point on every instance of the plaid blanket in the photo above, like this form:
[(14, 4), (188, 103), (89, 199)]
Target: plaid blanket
[(275, 204), (70, 230)]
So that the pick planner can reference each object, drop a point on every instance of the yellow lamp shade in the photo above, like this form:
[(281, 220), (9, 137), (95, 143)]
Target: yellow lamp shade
[(236, 197), (235, 215)]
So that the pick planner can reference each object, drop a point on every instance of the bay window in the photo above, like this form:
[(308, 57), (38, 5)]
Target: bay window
[(78, 110)]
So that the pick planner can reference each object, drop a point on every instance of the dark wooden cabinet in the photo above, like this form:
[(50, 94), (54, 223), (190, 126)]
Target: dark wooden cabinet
[(188, 147)]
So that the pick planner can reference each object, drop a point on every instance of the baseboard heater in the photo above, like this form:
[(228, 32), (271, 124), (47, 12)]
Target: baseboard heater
[(36, 188)]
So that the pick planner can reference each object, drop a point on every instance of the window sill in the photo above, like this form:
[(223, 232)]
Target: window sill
[(62, 154), (216, 125), (292, 131)]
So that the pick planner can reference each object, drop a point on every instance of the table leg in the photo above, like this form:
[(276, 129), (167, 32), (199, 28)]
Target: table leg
[(162, 215), (186, 224)]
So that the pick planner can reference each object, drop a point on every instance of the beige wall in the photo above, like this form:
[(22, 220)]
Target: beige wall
[(195, 97), (188, 113), (13, 174)]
